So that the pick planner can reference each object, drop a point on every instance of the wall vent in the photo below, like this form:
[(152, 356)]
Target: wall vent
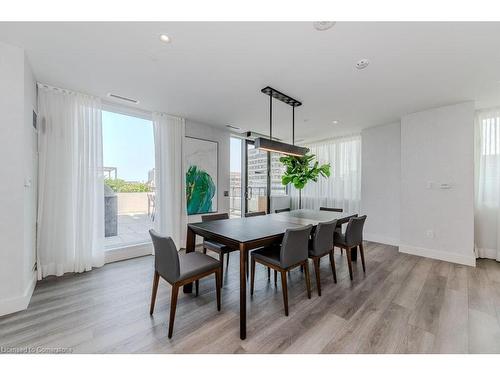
[(124, 98)]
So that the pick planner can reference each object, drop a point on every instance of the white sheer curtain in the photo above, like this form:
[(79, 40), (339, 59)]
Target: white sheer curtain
[(487, 184), (343, 188), (71, 192), (171, 214)]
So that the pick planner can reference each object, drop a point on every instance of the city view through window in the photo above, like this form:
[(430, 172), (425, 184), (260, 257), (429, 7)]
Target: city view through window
[(257, 178)]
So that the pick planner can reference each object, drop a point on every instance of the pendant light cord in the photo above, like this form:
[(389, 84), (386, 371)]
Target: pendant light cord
[(270, 117)]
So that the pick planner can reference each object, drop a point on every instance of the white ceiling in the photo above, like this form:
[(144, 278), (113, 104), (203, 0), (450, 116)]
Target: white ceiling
[(213, 72)]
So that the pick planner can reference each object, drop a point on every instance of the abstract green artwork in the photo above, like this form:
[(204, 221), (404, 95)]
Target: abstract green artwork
[(201, 176), (200, 190)]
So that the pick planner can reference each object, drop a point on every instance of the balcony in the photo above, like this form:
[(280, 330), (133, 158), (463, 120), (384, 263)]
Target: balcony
[(134, 218)]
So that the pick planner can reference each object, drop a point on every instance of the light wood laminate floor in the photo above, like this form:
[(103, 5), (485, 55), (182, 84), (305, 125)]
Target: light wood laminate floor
[(404, 304)]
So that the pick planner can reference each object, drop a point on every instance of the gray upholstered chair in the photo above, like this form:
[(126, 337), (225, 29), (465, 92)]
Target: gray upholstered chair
[(178, 270), (331, 209), (281, 210), (292, 253), (216, 246), (352, 238), (320, 245), (252, 214), (339, 228)]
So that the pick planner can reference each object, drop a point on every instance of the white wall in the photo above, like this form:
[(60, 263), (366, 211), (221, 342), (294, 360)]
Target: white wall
[(203, 131), (17, 202), (380, 182), (437, 148)]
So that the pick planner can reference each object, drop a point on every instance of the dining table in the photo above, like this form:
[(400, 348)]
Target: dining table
[(248, 233)]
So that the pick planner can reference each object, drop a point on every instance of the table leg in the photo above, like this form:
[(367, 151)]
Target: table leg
[(243, 292), (190, 245)]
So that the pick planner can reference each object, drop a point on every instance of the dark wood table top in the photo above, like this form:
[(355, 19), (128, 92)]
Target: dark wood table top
[(254, 228)]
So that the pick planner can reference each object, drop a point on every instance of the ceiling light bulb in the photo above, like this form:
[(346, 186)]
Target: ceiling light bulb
[(363, 63), (323, 25), (165, 38), (335, 122)]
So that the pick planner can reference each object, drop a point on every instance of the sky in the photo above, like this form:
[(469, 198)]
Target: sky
[(235, 158), (128, 144)]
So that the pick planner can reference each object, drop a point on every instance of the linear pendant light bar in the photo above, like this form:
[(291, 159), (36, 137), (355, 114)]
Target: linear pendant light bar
[(275, 146)]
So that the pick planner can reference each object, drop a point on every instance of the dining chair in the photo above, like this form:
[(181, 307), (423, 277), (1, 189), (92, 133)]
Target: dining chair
[(331, 209), (352, 238), (281, 210), (292, 253), (252, 214), (178, 270), (339, 228), (321, 245), (216, 246)]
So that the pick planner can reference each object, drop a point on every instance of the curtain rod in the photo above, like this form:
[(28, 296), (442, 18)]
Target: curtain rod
[(66, 91)]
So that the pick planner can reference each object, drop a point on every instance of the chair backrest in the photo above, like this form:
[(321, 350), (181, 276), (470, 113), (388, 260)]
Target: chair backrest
[(281, 210), (215, 217), (251, 214), (354, 231), (323, 237), (166, 257), (331, 209), (294, 247)]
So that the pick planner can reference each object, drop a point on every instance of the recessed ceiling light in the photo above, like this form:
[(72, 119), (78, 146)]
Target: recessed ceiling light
[(363, 63), (165, 38), (335, 122), (323, 25)]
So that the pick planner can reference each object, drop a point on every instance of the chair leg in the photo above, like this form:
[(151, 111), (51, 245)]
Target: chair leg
[(318, 277), (349, 261), (308, 279), (204, 250), (217, 287), (197, 287), (221, 260), (362, 252), (173, 306), (332, 264), (227, 262), (156, 279), (268, 273), (285, 291), (252, 276), (275, 277)]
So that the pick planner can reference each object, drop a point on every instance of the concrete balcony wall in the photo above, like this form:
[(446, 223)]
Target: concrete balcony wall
[(131, 203)]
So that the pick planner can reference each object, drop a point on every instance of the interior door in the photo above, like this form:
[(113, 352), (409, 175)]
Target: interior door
[(256, 182)]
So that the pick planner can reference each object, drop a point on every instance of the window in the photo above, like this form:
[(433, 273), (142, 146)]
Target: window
[(128, 159), (235, 182), (488, 159), (277, 171)]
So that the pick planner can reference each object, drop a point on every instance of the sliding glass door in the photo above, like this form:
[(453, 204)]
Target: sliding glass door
[(256, 179)]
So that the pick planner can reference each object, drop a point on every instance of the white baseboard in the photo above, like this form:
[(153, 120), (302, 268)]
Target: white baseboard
[(381, 239), (19, 303), (468, 260), (128, 252)]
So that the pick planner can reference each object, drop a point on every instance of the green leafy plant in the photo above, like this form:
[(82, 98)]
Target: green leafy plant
[(200, 189), (302, 169), (122, 186)]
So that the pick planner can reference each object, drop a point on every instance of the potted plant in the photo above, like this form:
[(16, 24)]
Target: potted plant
[(302, 169)]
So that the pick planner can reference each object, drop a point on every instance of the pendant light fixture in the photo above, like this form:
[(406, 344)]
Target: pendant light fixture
[(268, 144)]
